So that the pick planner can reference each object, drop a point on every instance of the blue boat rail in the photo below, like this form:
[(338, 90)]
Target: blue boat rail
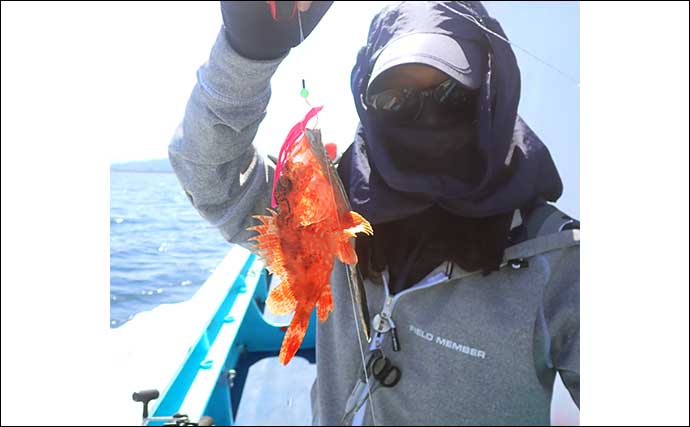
[(207, 387)]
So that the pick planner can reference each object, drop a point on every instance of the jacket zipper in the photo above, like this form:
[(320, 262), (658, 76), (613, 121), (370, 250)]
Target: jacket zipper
[(383, 322)]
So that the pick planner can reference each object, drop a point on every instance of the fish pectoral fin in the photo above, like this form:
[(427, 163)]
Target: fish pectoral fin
[(346, 253), (281, 300), (325, 303), (359, 225)]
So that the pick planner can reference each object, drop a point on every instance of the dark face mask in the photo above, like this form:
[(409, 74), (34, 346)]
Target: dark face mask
[(429, 132)]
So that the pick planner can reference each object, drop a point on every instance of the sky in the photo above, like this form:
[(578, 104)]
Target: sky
[(549, 101), (152, 71), (125, 72)]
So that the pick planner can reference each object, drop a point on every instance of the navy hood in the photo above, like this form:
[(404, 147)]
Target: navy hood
[(517, 169)]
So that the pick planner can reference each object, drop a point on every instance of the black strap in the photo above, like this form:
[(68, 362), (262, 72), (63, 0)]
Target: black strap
[(540, 220)]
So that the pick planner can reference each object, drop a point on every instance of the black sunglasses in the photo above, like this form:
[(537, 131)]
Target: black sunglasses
[(405, 104)]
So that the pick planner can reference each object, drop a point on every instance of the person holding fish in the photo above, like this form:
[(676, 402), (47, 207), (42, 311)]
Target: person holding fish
[(470, 272)]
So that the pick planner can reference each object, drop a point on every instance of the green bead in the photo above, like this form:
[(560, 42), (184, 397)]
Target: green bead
[(304, 93)]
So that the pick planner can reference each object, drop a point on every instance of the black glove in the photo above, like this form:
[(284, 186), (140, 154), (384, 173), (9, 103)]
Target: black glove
[(253, 32)]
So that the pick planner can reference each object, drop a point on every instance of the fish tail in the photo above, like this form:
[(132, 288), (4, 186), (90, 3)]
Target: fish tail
[(294, 336), (325, 303), (281, 300)]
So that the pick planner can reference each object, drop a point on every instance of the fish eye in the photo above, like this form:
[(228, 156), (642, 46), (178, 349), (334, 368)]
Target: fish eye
[(284, 184)]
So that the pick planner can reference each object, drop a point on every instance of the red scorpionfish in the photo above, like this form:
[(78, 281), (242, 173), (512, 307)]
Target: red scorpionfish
[(311, 226)]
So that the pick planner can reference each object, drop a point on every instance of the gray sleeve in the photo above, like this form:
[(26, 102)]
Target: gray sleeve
[(211, 151), (561, 308)]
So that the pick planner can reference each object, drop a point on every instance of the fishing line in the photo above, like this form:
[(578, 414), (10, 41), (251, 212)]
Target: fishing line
[(304, 92), (299, 20), (359, 341), (480, 25)]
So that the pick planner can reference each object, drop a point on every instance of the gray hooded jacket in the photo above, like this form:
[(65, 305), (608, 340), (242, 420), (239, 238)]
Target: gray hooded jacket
[(473, 349)]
